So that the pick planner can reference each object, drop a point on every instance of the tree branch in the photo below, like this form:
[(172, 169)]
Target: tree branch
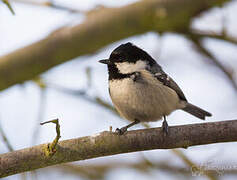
[(108, 143), (228, 72), (215, 35), (100, 28)]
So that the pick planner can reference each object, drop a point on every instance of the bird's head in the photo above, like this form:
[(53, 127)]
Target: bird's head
[(128, 58)]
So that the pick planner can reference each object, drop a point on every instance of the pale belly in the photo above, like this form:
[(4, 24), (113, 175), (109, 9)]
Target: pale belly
[(143, 100)]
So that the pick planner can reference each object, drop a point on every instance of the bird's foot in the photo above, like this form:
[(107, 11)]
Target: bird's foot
[(121, 131), (165, 127)]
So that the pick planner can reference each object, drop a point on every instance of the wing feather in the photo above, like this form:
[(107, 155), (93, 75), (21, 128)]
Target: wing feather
[(167, 81)]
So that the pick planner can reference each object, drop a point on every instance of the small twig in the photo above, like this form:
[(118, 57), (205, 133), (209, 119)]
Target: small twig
[(42, 102), (82, 94), (105, 104), (215, 35), (51, 5), (223, 21), (5, 139), (38, 80), (9, 6), (40, 115), (88, 76), (51, 148)]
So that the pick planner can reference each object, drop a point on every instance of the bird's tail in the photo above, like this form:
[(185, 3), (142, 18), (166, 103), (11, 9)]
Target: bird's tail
[(196, 111)]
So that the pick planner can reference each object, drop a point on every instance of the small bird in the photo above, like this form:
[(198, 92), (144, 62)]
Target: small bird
[(141, 91)]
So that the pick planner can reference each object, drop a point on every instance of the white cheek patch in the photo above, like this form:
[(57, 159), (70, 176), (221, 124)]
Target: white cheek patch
[(126, 67)]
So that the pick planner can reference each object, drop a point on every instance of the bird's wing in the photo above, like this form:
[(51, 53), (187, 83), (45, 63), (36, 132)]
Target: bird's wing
[(167, 81)]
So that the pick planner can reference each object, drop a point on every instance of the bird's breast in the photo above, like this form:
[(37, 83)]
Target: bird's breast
[(145, 99)]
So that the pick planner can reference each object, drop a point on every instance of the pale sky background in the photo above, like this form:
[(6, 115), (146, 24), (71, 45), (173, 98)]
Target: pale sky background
[(201, 82)]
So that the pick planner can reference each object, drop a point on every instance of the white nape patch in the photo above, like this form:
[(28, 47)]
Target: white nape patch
[(126, 67)]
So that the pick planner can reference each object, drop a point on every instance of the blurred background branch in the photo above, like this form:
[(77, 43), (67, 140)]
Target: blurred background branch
[(229, 72), (69, 42), (210, 34), (99, 171), (9, 6), (5, 139), (49, 4)]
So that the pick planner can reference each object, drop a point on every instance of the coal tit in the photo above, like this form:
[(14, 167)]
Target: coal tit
[(141, 91)]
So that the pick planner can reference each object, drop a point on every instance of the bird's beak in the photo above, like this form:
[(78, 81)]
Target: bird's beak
[(105, 61)]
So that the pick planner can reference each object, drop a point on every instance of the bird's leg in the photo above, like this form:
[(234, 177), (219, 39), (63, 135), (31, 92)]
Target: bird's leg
[(125, 128), (165, 126)]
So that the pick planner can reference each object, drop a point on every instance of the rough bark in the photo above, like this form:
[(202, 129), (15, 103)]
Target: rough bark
[(108, 143)]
